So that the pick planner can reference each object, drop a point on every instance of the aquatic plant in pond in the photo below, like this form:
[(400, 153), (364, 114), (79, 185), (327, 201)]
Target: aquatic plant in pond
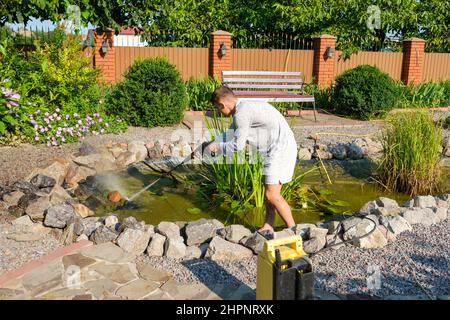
[(411, 145)]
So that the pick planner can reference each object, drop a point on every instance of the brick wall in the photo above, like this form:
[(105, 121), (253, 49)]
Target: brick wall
[(323, 66), (413, 60), (217, 62), (105, 61)]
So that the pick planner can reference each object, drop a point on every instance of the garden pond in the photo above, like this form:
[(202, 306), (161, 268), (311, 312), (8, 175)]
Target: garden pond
[(352, 185)]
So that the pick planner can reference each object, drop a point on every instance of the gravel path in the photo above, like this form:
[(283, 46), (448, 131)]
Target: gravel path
[(14, 254), (344, 271)]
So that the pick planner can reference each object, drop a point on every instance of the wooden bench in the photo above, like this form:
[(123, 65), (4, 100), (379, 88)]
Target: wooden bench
[(269, 86)]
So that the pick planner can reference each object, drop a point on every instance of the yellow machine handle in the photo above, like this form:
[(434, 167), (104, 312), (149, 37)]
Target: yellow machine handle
[(294, 242)]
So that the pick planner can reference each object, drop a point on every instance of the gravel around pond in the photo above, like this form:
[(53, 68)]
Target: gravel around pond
[(15, 254), (424, 252)]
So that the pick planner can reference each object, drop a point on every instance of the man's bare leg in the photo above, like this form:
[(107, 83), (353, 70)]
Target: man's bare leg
[(276, 202)]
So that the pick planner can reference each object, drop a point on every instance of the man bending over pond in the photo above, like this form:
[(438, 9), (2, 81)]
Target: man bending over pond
[(261, 125)]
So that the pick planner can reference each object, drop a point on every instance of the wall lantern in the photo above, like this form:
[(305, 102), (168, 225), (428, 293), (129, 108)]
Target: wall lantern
[(105, 46), (329, 52), (223, 49)]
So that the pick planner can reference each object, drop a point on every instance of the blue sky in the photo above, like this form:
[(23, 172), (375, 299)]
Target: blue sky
[(45, 24)]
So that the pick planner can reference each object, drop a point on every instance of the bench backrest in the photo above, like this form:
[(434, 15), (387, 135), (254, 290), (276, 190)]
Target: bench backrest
[(263, 80)]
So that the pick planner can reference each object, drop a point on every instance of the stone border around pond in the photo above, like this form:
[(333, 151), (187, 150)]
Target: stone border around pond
[(43, 204)]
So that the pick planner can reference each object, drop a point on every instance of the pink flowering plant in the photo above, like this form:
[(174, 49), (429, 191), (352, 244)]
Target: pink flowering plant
[(57, 128), (11, 110)]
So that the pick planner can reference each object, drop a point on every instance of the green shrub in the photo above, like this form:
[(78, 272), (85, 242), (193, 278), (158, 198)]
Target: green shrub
[(152, 94), (425, 95), (411, 146), (199, 92), (364, 93)]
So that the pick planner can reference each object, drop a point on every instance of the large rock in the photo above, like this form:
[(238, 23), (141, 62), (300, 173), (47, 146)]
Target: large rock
[(134, 241), (168, 229), (138, 149), (424, 202), (57, 170), (255, 242), (68, 236), (334, 241), (25, 186), (443, 200), (59, 216), (375, 240), (36, 208), (236, 232), (349, 227), (97, 161), (174, 248), (441, 213), (104, 234), (125, 159), (425, 216), (78, 174), (387, 203), (200, 231), (193, 252), (156, 245), (111, 221), (220, 249)]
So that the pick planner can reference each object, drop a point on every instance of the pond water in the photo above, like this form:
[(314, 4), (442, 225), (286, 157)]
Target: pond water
[(168, 201)]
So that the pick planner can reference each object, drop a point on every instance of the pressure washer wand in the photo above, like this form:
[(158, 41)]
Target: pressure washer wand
[(203, 146)]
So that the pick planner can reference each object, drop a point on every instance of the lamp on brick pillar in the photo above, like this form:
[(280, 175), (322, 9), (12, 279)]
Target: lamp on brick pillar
[(220, 53), (104, 54), (324, 57), (413, 60)]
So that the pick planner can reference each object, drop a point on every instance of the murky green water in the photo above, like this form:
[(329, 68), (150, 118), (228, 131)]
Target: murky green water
[(166, 201)]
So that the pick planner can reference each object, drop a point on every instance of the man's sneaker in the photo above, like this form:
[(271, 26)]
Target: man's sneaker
[(267, 234)]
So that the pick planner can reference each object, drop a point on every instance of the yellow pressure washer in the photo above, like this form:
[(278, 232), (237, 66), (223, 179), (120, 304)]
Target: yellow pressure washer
[(284, 272)]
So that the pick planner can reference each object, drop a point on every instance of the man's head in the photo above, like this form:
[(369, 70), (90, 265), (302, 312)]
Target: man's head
[(224, 100)]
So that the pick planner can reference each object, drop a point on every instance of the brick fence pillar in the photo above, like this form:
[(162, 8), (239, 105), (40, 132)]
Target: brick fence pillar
[(105, 61), (413, 60), (323, 66), (217, 61)]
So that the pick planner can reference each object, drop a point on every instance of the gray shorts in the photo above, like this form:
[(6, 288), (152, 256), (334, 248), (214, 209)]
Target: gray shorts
[(281, 168)]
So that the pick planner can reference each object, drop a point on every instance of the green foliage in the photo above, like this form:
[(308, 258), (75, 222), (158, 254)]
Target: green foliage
[(425, 95), (364, 93), (152, 94), (411, 145), (55, 78), (199, 92)]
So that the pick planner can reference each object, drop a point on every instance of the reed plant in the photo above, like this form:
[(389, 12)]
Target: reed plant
[(425, 95), (411, 145)]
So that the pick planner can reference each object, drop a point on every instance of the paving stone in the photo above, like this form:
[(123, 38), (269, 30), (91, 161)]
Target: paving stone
[(119, 273), (100, 288), (150, 273), (63, 294), (4, 292), (78, 260), (137, 289), (25, 236), (107, 251), (179, 291), (83, 297), (44, 278), (158, 294)]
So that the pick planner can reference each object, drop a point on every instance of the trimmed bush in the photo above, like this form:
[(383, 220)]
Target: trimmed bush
[(151, 95), (364, 93)]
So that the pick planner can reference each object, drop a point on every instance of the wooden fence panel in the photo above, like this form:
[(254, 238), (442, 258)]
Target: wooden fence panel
[(274, 60), (436, 67), (191, 62), (388, 62)]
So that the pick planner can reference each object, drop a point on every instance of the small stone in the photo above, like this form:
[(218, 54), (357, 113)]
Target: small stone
[(201, 231), (441, 214), (111, 221), (368, 207), (138, 149), (114, 196), (255, 242), (387, 203), (302, 230), (133, 241), (174, 248), (424, 202), (339, 151), (304, 154), (42, 181), (82, 211), (24, 186), (104, 234), (387, 233), (236, 232), (168, 229), (283, 233), (354, 151), (220, 249), (12, 199), (398, 224), (86, 226), (58, 195), (59, 216), (313, 245), (125, 159), (334, 239), (156, 245), (82, 237), (23, 221), (333, 227), (68, 236), (193, 252)]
